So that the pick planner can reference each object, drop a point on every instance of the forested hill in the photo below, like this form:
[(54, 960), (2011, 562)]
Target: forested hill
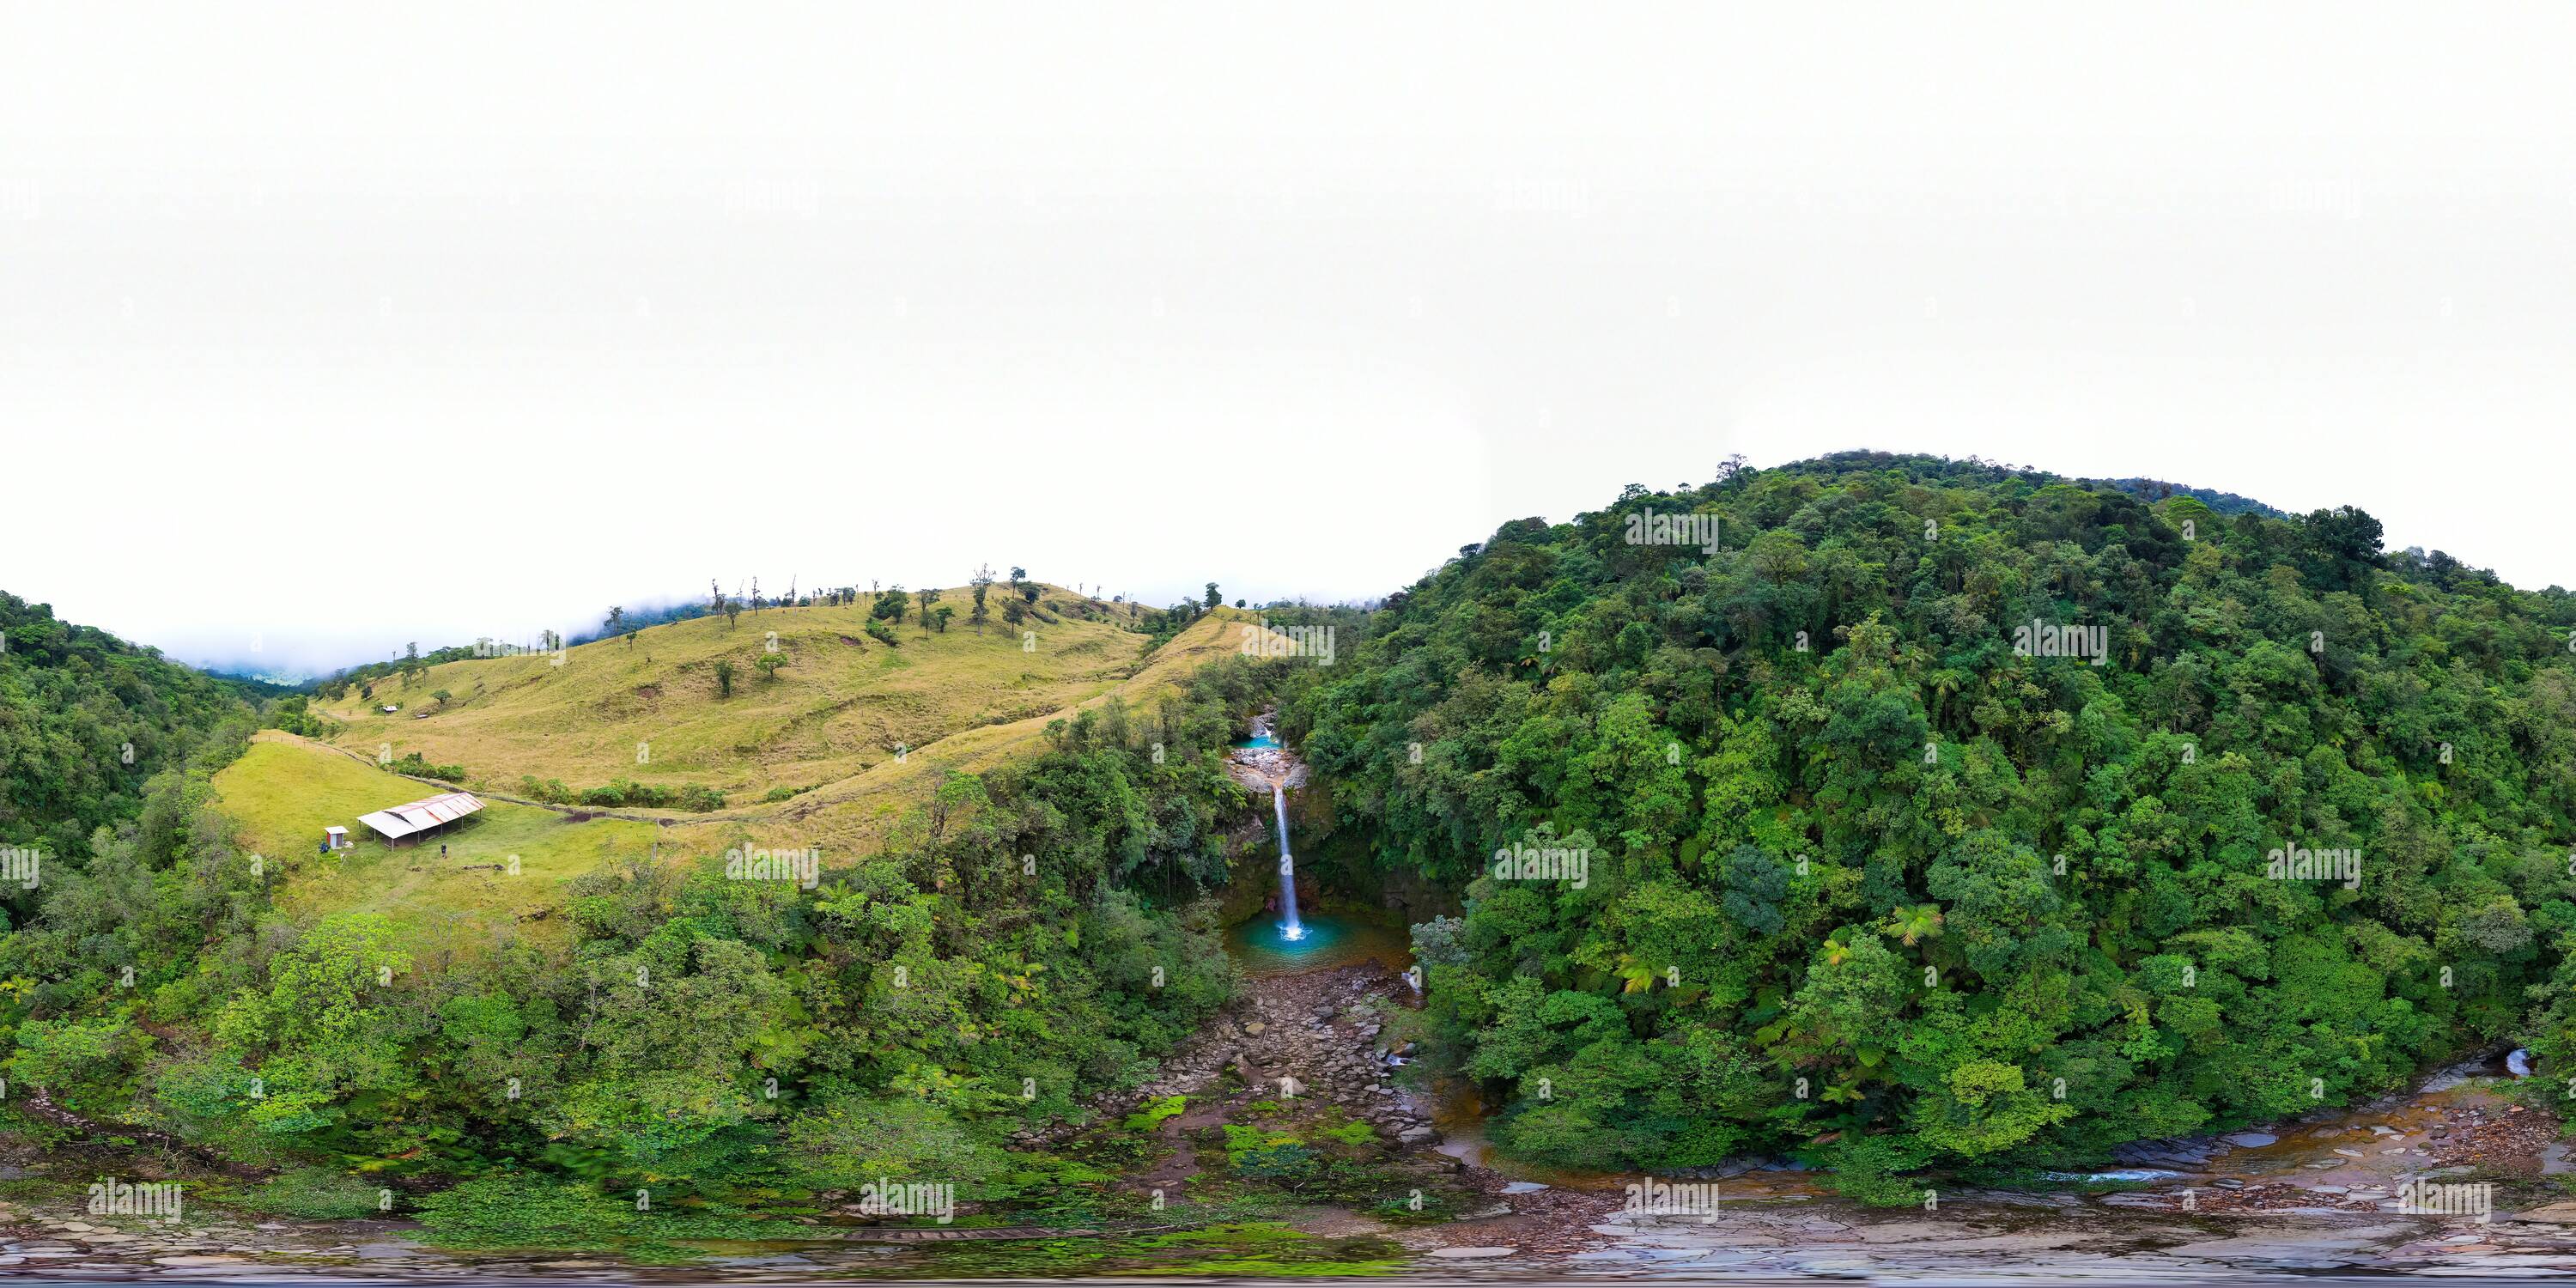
[(2158, 489), (1873, 876), (73, 699)]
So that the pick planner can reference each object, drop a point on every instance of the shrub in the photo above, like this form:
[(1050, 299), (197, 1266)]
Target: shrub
[(552, 791), (67, 1055), (513, 1211), (418, 767), (295, 715), (310, 1193), (850, 1141), (626, 791)]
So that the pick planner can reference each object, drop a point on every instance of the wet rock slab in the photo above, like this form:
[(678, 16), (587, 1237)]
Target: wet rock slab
[(2071, 1239)]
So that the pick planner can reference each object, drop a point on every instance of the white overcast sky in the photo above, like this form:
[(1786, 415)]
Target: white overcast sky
[(327, 327)]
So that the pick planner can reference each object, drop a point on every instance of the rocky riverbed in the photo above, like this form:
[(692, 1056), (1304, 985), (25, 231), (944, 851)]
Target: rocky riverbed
[(2066, 1237), (2336, 1191), (1263, 762), (1309, 1036)]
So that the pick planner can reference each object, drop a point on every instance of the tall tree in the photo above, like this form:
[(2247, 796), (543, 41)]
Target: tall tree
[(982, 583)]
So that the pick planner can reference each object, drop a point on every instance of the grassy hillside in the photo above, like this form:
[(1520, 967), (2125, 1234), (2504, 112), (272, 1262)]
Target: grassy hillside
[(967, 701), (652, 710), (859, 808)]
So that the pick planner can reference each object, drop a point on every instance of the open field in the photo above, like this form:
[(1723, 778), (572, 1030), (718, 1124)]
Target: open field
[(285, 790)]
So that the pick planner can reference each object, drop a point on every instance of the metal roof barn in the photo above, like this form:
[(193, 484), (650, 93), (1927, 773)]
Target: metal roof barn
[(419, 816)]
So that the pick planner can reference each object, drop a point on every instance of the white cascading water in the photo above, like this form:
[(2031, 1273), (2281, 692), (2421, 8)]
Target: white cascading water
[(1289, 926)]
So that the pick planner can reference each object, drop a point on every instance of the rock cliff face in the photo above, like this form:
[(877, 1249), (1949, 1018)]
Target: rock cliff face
[(1252, 882)]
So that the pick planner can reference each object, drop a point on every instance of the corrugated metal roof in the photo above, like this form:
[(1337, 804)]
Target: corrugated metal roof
[(402, 820), (383, 821)]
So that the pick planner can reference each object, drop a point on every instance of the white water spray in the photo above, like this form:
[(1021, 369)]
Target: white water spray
[(1289, 926)]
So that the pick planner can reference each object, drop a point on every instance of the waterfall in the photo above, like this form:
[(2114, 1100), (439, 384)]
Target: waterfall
[(1289, 926)]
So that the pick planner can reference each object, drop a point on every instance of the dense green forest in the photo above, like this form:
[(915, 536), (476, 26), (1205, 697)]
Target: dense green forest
[(86, 720), (1866, 884)]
